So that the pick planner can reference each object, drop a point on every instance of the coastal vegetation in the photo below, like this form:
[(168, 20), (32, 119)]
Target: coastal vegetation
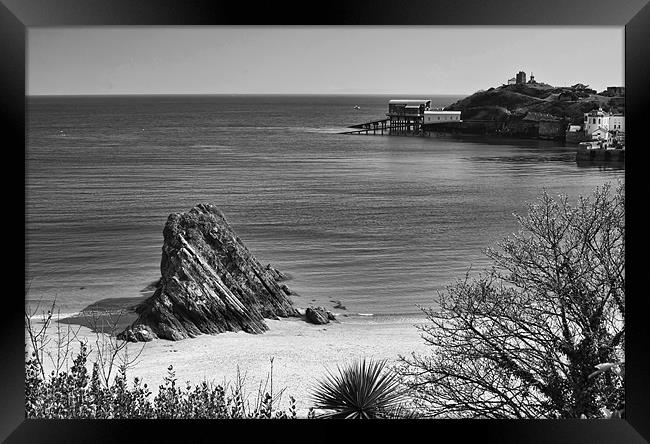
[(509, 102), (523, 339), (76, 393), (541, 334), (363, 389), (529, 110)]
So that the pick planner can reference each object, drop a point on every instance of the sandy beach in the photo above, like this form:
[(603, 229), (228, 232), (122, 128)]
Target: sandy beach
[(301, 353)]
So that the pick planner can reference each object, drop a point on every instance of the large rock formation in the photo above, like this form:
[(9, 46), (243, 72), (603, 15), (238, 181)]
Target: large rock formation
[(210, 283)]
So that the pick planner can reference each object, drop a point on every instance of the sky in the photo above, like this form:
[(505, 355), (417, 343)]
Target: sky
[(316, 60)]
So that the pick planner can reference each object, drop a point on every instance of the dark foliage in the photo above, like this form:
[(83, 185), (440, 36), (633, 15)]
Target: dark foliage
[(78, 394), (363, 389)]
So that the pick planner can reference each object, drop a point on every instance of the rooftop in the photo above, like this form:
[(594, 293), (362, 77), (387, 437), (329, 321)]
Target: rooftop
[(408, 101), (597, 112)]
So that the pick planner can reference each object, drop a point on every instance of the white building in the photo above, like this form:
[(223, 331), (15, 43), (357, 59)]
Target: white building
[(596, 119), (617, 122), (600, 134), (439, 116), (599, 119)]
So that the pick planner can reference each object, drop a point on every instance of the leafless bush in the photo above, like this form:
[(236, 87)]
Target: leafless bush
[(521, 339)]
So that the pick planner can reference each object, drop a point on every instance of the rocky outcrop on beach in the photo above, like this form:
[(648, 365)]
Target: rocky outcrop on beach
[(210, 283), (318, 315)]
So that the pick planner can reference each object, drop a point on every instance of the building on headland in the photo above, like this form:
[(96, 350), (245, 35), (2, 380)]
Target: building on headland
[(521, 77), (616, 90)]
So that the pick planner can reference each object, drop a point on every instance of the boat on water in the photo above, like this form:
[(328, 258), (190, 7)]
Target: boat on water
[(357, 107)]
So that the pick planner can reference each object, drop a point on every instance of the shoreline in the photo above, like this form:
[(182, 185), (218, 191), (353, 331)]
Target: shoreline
[(119, 313)]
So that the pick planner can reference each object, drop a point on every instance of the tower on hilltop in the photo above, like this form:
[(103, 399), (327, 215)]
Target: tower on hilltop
[(521, 77)]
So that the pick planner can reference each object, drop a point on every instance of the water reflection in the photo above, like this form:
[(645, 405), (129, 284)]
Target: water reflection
[(601, 165)]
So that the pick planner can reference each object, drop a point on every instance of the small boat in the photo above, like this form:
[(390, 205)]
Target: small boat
[(357, 107)]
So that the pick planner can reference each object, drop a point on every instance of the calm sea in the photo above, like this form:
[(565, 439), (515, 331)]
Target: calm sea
[(379, 223)]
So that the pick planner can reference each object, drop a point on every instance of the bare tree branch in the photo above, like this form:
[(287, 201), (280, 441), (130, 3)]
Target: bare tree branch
[(521, 339)]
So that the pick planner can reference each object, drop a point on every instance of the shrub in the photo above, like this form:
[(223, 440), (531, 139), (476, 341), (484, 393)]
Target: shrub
[(363, 389), (76, 394)]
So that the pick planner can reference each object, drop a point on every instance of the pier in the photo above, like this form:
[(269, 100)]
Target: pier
[(584, 155), (384, 127), (375, 126), (389, 127), (409, 118)]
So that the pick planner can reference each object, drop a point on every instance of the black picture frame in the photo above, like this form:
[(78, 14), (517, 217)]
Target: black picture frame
[(17, 15)]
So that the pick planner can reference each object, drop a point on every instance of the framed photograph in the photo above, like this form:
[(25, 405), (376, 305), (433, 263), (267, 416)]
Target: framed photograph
[(414, 214)]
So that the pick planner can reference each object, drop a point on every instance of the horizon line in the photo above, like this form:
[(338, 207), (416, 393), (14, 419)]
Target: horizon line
[(243, 94)]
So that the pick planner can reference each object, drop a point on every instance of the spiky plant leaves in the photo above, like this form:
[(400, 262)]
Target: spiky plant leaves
[(363, 389)]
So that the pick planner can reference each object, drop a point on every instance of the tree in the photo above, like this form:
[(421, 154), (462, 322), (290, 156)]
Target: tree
[(520, 340)]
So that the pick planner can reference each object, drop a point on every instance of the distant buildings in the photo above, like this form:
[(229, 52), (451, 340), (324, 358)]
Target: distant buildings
[(617, 122), (540, 125), (408, 116), (407, 107), (600, 119), (616, 90), (606, 129), (520, 77), (595, 119), (602, 126), (439, 116)]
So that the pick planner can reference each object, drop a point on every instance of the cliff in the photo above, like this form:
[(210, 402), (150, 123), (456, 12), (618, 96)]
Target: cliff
[(210, 283)]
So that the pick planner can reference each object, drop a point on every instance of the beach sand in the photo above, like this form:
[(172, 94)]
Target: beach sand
[(301, 353)]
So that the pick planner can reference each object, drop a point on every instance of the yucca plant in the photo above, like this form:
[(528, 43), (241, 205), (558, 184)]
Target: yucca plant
[(363, 389)]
